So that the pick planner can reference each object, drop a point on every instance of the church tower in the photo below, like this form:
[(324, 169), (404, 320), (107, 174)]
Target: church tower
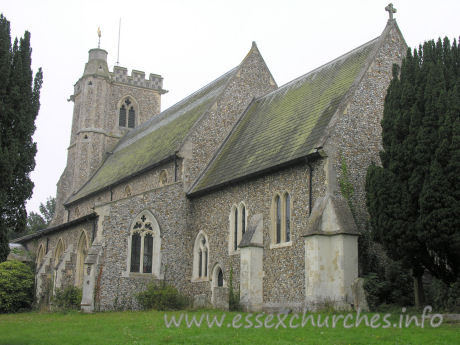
[(107, 105)]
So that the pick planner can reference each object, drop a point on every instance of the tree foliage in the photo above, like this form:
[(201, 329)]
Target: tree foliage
[(16, 286), (38, 221), (19, 104), (414, 198)]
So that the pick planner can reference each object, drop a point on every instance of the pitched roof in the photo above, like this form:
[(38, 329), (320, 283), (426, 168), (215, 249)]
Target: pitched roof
[(285, 124), (155, 141)]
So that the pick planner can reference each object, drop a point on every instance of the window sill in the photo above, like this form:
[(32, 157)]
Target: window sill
[(280, 245), (141, 275), (200, 280)]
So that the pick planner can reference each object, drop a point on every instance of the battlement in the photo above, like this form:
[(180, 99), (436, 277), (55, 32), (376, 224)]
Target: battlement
[(137, 78)]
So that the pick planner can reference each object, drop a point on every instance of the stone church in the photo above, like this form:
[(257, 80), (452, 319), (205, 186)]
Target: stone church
[(242, 177)]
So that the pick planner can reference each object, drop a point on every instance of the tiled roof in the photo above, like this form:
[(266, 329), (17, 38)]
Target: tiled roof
[(285, 124), (155, 140)]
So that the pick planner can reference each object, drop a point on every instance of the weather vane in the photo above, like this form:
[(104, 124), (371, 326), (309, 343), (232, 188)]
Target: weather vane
[(99, 34), (390, 10)]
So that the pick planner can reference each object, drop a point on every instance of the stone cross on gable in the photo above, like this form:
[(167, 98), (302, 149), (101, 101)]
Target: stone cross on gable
[(390, 10)]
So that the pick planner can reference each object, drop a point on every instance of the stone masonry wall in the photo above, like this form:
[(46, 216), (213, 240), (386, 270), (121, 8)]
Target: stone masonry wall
[(284, 267), (168, 205), (357, 134), (95, 129), (253, 79), (136, 185)]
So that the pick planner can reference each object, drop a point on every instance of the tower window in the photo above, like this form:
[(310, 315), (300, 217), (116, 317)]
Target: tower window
[(127, 114), (122, 119), (131, 117)]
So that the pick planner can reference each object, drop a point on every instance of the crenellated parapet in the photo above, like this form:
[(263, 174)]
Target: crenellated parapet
[(137, 78)]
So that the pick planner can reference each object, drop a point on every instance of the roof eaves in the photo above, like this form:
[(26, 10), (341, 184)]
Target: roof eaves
[(255, 174), (62, 226)]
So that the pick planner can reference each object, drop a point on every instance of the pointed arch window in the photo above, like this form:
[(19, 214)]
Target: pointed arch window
[(59, 251), (40, 255), (144, 245), (127, 114), (281, 232), (82, 251), (238, 223), (200, 257)]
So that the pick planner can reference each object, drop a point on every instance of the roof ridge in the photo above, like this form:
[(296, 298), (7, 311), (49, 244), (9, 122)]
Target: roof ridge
[(280, 88)]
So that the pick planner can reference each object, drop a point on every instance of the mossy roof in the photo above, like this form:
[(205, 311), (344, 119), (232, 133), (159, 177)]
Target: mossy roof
[(285, 124), (154, 141)]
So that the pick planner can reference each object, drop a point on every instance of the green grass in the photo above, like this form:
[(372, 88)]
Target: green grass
[(149, 328)]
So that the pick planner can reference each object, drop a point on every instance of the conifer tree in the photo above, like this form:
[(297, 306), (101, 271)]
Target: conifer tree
[(19, 104), (414, 198)]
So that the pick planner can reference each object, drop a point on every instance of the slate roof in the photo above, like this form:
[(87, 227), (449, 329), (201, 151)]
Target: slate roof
[(285, 124), (154, 141)]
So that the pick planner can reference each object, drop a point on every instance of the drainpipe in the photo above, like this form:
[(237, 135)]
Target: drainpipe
[(175, 168), (310, 188), (94, 231)]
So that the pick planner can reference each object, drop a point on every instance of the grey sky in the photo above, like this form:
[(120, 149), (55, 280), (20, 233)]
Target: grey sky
[(190, 43)]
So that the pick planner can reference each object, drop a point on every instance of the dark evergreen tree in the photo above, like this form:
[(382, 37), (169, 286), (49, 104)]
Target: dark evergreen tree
[(414, 198), (19, 104)]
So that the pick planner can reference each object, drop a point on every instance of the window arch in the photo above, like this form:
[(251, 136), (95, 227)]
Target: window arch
[(200, 257), (82, 250), (144, 245), (218, 276), (40, 255), (58, 252), (281, 218), (238, 224), (127, 112)]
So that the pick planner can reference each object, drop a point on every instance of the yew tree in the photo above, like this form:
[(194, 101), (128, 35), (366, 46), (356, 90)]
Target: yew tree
[(414, 198)]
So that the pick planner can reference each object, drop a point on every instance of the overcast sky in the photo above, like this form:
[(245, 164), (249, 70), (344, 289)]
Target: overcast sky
[(190, 43)]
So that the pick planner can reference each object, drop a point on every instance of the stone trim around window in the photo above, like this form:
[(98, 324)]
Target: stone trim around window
[(239, 212), (144, 226), (281, 220), (200, 271)]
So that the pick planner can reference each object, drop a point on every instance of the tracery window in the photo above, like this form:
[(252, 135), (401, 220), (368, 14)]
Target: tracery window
[(127, 108), (238, 221), (281, 218), (200, 257), (144, 245)]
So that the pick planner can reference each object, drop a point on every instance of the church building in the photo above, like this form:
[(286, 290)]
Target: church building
[(243, 177)]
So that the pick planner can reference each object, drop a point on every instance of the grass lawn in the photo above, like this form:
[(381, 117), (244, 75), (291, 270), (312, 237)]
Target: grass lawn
[(149, 328)]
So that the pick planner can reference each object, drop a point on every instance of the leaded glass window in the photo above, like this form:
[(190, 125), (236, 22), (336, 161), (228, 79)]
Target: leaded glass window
[(148, 251), (220, 278), (243, 220), (145, 245), (135, 252), (235, 230), (278, 219), (287, 216), (131, 118), (122, 117), (200, 257)]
